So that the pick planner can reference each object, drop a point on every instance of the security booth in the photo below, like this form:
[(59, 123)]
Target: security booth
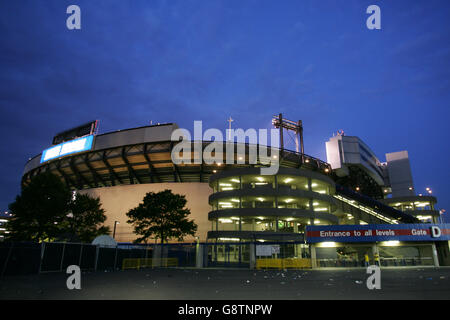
[(388, 245)]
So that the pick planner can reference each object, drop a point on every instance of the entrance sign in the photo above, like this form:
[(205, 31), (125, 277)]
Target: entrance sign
[(378, 232), (436, 232)]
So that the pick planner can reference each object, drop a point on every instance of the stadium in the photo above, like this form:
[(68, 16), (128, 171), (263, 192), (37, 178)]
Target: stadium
[(240, 212)]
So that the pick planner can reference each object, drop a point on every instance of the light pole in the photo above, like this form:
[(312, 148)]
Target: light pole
[(114, 232)]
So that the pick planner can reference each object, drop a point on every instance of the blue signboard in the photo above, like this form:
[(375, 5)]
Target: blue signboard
[(378, 232), (66, 148)]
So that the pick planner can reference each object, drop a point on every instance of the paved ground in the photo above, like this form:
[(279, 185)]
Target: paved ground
[(193, 284)]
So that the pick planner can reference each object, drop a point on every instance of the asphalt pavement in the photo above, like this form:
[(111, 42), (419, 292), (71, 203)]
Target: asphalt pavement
[(228, 284)]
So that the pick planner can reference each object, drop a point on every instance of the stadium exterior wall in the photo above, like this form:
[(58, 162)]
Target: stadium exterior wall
[(118, 200)]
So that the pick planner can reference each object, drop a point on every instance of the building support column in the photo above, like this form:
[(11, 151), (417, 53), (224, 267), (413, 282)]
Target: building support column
[(252, 256), (375, 253), (435, 255), (312, 250), (200, 248), (156, 255)]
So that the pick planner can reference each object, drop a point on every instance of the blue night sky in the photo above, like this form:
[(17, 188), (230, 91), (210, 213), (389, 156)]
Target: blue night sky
[(179, 61)]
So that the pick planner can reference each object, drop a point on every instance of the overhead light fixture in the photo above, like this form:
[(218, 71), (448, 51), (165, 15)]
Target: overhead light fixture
[(391, 243), (327, 244), (229, 239)]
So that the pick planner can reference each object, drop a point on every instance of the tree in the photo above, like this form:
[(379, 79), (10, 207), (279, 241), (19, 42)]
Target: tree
[(84, 219), (45, 210), (40, 209), (162, 216)]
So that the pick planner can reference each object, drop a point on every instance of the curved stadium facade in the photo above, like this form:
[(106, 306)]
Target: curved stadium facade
[(227, 201), (235, 206), (122, 166)]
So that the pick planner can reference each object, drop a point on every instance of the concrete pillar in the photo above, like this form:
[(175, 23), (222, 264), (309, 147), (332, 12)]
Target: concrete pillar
[(252, 256), (435, 255), (156, 256), (295, 227), (312, 250), (375, 252), (200, 248)]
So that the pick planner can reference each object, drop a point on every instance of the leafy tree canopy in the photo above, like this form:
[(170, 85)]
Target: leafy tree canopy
[(163, 216), (84, 219), (45, 210), (39, 210)]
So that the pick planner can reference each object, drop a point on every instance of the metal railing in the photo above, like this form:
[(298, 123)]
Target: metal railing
[(149, 263), (288, 263)]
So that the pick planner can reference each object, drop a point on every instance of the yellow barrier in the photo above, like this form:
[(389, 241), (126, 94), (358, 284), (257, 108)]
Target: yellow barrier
[(287, 263), (149, 263)]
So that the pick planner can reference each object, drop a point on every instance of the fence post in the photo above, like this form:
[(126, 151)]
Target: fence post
[(7, 259), (96, 258), (62, 257), (115, 260), (81, 254), (42, 256)]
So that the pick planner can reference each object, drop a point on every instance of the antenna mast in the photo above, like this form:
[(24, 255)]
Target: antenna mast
[(280, 123)]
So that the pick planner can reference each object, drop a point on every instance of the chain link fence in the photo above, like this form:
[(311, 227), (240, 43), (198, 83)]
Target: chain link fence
[(18, 258)]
